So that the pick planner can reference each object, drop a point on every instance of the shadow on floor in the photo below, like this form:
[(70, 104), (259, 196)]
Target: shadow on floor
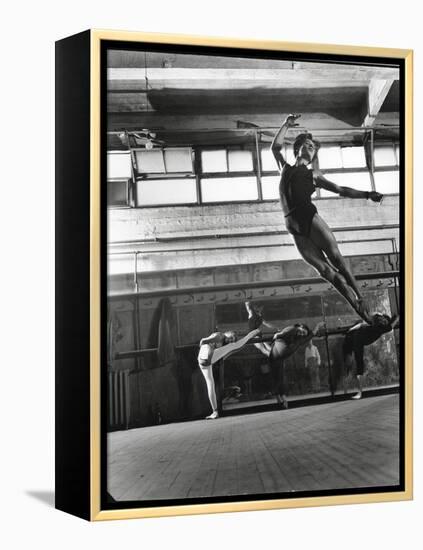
[(46, 497)]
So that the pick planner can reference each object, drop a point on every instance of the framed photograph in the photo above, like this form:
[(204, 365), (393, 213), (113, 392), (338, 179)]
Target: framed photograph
[(234, 275)]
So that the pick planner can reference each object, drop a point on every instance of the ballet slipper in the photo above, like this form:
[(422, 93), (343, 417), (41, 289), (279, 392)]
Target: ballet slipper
[(213, 416)]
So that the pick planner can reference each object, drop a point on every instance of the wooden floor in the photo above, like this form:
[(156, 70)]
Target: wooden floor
[(340, 445)]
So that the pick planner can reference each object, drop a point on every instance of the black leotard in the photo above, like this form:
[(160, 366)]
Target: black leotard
[(356, 339), (295, 190)]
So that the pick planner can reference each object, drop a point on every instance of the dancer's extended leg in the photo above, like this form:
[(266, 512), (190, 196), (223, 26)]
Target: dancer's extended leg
[(225, 351), (314, 256), (322, 236)]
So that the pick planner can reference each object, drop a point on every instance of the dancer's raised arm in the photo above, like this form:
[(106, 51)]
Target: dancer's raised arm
[(279, 139)]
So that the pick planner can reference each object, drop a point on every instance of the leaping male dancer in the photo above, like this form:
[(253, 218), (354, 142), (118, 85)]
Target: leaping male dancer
[(312, 236)]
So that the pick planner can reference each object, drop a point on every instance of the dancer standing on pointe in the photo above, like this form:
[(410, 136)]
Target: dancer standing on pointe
[(313, 237)]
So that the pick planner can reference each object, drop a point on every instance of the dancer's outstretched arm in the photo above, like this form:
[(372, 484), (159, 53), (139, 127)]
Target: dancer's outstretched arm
[(225, 351), (321, 181), (279, 139)]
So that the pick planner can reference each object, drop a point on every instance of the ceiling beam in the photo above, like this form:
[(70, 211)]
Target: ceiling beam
[(378, 90), (132, 79), (172, 122)]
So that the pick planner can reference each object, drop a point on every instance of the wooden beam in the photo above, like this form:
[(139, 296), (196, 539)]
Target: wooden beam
[(192, 123), (378, 90), (134, 79)]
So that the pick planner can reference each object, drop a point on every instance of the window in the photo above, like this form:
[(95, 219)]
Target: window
[(384, 155), (166, 191), (356, 180), (330, 157), (118, 165), (229, 189), (353, 157), (178, 160), (226, 161), (171, 160), (240, 161), (387, 182), (270, 187), (397, 154), (150, 162), (268, 162), (117, 192)]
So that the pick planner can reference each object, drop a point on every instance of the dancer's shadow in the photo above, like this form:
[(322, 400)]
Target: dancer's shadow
[(46, 497)]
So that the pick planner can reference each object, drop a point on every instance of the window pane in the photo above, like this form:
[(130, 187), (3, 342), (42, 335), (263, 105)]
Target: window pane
[(176, 191), (397, 154), (268, 162), (384, 155), (330, 157), (150, 162), (353, 157), (270, 187), (240, 161), (178, 160), (117, 193), (387, 182), (214, 161), (118, 165), (360, 181), (229, 189)]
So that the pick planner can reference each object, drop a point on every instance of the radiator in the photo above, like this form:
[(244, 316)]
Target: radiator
[(118, 405)]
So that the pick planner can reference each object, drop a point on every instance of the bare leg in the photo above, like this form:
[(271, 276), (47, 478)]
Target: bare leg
[(359, 394), (322, 236), (277, 368), (359, 361), (314, 256), (207, 372)]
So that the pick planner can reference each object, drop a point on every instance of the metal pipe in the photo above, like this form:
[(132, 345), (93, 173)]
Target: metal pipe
[(156, 240), (258, 158), (238, 247), (250, 285), (330, 374), (139, 352)]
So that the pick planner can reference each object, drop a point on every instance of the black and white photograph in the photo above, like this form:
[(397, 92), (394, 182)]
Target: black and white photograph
[(253, 326)]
